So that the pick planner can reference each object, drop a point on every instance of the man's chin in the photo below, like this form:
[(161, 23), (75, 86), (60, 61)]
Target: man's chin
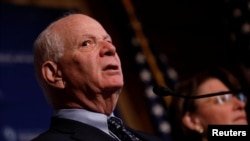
[(114, 84), (115, 87)]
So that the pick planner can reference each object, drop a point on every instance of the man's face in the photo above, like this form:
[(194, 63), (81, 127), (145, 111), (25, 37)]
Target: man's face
[(90, 64)]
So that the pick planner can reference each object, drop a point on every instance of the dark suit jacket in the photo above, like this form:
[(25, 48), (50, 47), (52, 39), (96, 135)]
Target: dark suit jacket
[(70, 130)]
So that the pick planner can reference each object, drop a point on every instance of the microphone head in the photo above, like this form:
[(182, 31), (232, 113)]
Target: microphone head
[(162, 91)]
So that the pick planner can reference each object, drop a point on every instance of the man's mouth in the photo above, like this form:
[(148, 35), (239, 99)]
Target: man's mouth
[(111, 67)]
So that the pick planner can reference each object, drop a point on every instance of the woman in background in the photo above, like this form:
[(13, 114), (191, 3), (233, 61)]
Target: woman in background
[(191, 117)]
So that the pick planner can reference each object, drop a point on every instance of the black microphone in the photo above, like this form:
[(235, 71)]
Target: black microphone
[(164, 91)]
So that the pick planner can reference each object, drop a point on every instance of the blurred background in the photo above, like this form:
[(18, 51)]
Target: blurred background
[(159, 43)]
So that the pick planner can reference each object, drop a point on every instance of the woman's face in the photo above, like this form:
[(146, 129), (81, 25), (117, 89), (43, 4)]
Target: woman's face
[(223, 109)]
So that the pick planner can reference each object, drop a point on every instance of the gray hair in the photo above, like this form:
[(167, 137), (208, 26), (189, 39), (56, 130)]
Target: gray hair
[(48, 46)]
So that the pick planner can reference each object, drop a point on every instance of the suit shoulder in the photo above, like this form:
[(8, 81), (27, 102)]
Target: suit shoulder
[(51, 135)]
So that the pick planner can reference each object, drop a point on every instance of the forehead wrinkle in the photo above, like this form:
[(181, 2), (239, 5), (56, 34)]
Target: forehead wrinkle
[(67, 31), (74, 27)]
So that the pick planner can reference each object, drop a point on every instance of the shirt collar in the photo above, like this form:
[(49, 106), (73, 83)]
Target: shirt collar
[(97, 120)]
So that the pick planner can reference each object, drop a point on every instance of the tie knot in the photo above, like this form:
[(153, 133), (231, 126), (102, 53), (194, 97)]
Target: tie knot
[(116, 126), (115, 123)]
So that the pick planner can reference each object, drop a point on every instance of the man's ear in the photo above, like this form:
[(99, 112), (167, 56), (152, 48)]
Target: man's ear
[(52, 74), (192, 122)]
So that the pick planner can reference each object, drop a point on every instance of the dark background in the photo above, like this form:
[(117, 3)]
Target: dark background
[(193, 34)]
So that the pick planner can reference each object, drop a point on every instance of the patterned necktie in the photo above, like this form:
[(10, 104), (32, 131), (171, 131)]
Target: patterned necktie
[(116, 126)]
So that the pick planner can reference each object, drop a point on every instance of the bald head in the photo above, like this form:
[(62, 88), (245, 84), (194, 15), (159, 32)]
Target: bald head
[(73, 23)]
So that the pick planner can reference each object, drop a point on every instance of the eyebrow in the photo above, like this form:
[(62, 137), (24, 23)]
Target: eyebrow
[(107, 36)]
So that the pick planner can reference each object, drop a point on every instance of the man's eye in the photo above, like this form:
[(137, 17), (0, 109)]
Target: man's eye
[(86, 43)]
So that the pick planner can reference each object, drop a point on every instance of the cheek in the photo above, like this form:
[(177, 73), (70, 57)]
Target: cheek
[(77, 68), (215, 115), (83, 62)]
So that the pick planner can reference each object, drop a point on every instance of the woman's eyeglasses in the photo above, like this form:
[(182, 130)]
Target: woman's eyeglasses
[(221, 99)]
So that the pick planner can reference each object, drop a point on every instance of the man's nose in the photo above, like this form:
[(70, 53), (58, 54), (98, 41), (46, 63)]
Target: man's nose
[(107, 49)]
